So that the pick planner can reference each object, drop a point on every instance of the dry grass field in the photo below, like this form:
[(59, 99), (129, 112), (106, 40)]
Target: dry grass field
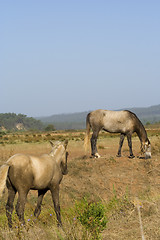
[(129, 189)]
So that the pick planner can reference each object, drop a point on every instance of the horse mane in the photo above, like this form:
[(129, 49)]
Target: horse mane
[(140, 129), (134, 116), (55, 146)]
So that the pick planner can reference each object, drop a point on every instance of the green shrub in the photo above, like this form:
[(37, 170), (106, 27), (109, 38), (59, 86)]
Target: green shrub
[(50, 127), (92, 216)]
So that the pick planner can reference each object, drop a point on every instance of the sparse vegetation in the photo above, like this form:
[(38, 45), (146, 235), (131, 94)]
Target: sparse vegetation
[(109, 186)]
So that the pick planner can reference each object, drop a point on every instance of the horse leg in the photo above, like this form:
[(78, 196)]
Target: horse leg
[(9, 205), (122, 136), (130, 145), (22, 196), (41, 194), (94, 144), (55, 198)]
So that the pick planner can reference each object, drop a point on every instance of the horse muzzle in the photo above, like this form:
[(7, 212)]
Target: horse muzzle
[(147, 155)]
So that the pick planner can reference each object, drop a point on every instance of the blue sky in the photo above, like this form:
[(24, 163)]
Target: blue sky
[(72, 56)]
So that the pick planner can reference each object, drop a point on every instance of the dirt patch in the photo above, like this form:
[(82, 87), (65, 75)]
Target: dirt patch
[(102, 178)]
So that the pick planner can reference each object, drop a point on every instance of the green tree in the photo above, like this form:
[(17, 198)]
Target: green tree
[(10, 120), (50, 127)]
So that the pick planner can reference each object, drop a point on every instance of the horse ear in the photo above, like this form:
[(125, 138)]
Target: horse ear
[(65, 144), (55, 143), (51, 143), (147, 142)]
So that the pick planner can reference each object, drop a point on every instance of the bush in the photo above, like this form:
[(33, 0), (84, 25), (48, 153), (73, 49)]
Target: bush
[(92, 216), (50, 127)]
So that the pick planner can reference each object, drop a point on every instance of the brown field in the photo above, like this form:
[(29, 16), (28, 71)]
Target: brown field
[(127, 184)]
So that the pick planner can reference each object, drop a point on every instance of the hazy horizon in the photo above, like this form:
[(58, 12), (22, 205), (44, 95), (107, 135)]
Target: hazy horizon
[(95, 109)]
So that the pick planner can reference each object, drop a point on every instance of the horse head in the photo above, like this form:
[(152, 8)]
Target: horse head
[(63, 164), (59, 152), (146, 149)]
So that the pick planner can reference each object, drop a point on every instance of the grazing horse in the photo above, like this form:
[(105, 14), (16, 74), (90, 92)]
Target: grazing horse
[(123, 122), (24, 172)]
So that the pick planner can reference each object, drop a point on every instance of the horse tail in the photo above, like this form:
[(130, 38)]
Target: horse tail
[(87, 135), (3, 177)]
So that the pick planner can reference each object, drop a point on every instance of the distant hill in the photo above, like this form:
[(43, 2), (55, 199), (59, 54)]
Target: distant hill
[(66, 121), (77, 120), (12, 121)]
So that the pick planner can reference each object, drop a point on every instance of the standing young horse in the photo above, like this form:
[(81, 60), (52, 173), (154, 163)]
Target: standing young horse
[(24, 172), (123, 122)]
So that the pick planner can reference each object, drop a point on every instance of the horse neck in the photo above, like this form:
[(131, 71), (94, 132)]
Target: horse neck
[(141, 132)]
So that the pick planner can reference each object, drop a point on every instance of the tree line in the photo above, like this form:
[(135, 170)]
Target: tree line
[(15, 122)]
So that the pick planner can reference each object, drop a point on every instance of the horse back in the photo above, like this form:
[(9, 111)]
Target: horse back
[(112, 121), (33, 172)]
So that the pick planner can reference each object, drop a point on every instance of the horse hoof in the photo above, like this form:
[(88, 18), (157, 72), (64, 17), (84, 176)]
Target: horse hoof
[(131, 156), (59, 225), (97, 155), (118, 155)]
